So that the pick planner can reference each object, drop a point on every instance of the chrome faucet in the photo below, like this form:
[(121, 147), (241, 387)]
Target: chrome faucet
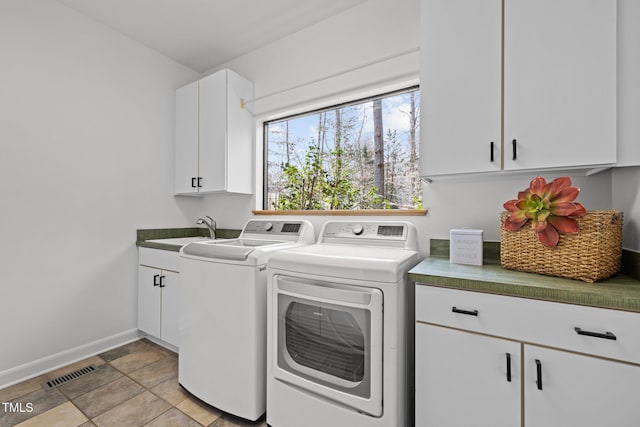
[(210, 223)]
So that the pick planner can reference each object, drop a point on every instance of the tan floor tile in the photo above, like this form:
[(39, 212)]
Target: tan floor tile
[(199, 411), (108, 396), (118, 352), (173, 418), (170, 391), (228, 420), (65, 415), (158, 347), (103, 375), (157, 372), (134, 412), (40, 401), (20, 389), (137, 360)]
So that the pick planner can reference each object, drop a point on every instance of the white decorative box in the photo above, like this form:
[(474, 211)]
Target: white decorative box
[(465, 246)]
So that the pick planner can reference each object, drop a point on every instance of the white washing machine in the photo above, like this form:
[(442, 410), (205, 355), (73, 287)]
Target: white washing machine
[(223, 314), (340, 328)]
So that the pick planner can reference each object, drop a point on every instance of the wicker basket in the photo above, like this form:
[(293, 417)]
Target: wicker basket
[(592, 254)]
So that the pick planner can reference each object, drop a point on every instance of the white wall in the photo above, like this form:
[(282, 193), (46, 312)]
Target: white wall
[(626, 197), (374, 30), (86, 157)]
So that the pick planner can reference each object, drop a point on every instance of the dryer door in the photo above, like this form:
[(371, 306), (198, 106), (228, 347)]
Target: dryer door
[(329, 340)]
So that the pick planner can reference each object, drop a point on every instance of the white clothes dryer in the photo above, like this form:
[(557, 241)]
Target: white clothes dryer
[(340, 328), (223, 314)]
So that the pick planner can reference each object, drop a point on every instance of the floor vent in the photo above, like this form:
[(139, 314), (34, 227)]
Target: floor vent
[(56, 382)]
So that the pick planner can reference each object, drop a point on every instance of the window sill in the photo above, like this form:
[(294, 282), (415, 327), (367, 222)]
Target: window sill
[(368, 212)]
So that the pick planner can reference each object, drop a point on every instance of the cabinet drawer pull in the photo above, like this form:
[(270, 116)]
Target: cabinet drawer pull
[(161, 284), (539, 374), (199, 182), (491, 152), (515, 149), (155, 280), (606, 335), (509, 367), (193, 182), (467, 312)]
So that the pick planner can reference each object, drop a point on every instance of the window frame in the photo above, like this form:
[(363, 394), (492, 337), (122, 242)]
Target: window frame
[(317, 212)]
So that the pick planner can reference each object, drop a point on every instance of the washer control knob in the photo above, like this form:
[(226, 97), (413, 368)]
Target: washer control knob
[(268, 226), (357, 229)]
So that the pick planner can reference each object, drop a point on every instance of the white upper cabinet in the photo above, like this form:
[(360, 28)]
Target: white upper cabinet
[(214, 136), (541, 73), (559, 83), (460, 68), (628, 83), (186, 143)]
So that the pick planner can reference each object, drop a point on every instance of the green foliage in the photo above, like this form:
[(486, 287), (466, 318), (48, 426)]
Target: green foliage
[(311, 187), (417, 201), (303, 185)]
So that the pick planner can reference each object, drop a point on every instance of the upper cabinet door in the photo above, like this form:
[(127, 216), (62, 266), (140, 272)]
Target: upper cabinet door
[(240, 129), (559, 83), (460, 86), (186, 143), (213, 131), (628, 83)]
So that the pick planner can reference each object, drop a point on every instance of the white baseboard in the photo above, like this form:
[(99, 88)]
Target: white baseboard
[(32, 369)]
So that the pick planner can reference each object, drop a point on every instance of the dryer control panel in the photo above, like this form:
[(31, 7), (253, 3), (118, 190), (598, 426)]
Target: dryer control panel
[(399, 234)]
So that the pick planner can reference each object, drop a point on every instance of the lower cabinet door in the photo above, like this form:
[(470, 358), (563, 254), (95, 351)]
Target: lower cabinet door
[(466, 379), (149, 300), (565, 389), (170, 312)]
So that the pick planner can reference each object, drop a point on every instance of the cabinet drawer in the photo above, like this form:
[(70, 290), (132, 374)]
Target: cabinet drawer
[(532, 321), (164, 260)]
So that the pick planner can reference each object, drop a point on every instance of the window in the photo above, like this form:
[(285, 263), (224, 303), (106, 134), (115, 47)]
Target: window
[(360, 155)]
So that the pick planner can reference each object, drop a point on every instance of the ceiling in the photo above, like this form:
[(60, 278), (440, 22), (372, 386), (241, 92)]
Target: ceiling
[(203, 34)]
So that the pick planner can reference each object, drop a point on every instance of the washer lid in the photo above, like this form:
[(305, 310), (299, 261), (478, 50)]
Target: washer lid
[(233, 249), (370, 263)]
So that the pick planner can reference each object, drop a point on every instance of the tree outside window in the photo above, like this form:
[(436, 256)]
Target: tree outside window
[(362, 155)]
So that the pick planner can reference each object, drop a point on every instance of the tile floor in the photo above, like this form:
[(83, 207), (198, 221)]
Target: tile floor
[(134, 385)]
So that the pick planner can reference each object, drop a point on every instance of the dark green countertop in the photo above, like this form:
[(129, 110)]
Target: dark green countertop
[(620, 292), (143, 236)]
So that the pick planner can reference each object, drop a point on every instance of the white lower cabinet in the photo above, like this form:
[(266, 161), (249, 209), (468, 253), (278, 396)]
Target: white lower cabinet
[(490, 360), (158, 297), (466, 379), (578, 390)]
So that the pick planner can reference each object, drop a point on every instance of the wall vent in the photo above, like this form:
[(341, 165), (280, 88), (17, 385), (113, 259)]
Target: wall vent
[(56, 382)]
